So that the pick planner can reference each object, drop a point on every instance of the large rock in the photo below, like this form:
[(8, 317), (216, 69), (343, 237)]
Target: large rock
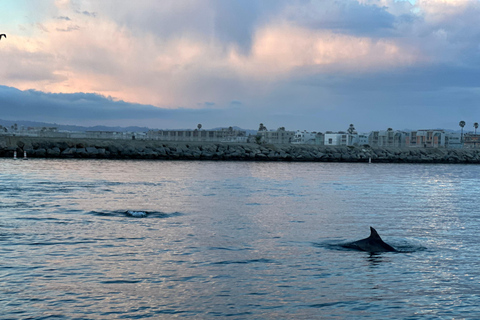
[(70, 152), (40, 152), (91, 151), (53, 152)]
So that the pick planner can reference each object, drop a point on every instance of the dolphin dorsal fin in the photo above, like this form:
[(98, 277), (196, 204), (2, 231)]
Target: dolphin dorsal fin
[(374, 234)]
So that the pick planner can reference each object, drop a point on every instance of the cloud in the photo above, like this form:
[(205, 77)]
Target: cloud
[(69, 28), (349, 17), (93, 109), (284, 48), (42, 27), (87, 13), (280, 60)]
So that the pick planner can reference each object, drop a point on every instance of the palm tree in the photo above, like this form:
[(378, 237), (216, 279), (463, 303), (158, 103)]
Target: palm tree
[(199, 126), (461, 124), (475, 125)]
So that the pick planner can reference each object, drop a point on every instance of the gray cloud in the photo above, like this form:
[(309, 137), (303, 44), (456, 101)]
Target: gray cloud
[(68, 29), (236, 21), (347, 16), (42, 27), (92, 109), (229, 22), (87, 13), (79, 106)]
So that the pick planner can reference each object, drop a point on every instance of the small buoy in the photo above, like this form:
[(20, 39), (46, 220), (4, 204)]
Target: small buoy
[(25, 155), (14, 155)]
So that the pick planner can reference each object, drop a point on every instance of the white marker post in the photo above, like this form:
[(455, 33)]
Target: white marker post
[(25, 155), (14, 155)]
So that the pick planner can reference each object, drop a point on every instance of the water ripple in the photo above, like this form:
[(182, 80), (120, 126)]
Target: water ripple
[(238, 240)]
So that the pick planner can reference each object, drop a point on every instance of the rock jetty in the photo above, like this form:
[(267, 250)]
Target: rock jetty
[(167, 150)]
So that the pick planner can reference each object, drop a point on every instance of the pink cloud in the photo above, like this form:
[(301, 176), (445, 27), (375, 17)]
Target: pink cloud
[(282, 49), (97, 53)]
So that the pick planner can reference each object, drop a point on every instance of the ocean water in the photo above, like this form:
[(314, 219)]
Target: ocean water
[(106, 239)]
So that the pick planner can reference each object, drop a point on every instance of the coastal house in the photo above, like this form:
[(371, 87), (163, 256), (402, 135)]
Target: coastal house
[(280, 136), (304, 137), (231, 135), (337, 138), (426, 139), (387, 138), (471, 141), (223, 135), (105, 135), (361, 139), (453, 140), (320, 139), (344, 139)]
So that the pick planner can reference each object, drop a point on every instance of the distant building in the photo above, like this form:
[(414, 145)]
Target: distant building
[(320, 139), (471, 140), (344, 139), (362, 139), (105, 135), (304, 137), (453, 140), (426, 139), (387, 138), (338, 139), (223, 135), (280, 136), (231, 135)]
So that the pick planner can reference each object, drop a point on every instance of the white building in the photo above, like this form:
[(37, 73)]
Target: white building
[(338, 139), (304, 137), (362, 139), (344, 139)]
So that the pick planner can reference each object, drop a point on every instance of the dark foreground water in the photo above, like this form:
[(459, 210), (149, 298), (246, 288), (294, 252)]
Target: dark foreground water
[(237, 240)]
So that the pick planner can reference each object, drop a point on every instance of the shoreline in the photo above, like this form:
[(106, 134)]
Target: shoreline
[(37, 147)]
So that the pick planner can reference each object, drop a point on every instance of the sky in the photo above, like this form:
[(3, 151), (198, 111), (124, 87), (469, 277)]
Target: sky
[(299, 64)]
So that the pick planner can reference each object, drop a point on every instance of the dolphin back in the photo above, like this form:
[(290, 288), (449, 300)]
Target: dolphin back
[(373, 243)]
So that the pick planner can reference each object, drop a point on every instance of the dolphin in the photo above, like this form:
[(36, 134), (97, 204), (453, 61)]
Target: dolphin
[(371, 244), (137, 214)]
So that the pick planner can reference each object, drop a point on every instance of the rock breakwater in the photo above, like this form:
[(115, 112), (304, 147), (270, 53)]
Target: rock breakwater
[(139, 149)]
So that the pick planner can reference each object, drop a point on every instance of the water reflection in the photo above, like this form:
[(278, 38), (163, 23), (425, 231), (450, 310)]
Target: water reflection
[(375, 259), (250, 240)]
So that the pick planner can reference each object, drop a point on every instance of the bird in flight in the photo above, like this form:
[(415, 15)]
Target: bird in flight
[(2, 35)]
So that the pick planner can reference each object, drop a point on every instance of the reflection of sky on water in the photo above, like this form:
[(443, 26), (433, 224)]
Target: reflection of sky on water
[(262, 188), (229, 236)]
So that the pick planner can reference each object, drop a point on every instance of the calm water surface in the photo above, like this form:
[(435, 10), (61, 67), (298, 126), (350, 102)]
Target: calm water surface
[(236, 240)]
